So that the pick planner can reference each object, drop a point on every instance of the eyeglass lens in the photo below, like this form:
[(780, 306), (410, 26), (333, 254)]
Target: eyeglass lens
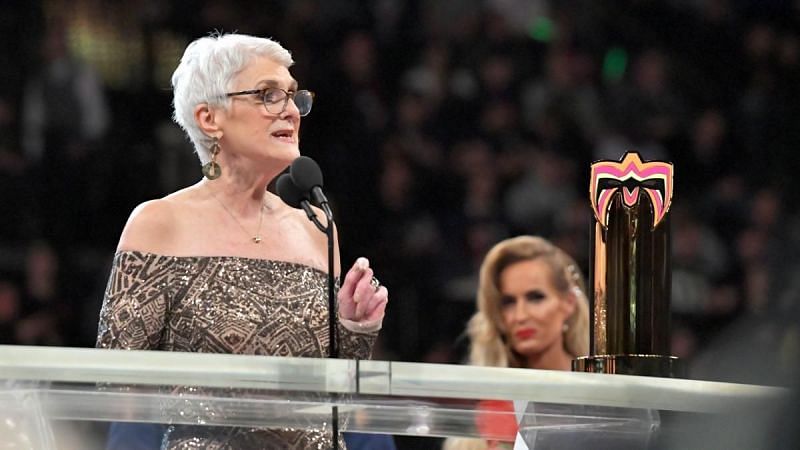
[(275, 101)]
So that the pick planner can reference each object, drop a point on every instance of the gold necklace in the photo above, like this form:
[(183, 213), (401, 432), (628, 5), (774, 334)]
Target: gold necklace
[(257, 238)]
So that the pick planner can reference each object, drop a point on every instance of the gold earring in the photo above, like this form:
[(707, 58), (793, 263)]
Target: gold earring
[(211, 169)]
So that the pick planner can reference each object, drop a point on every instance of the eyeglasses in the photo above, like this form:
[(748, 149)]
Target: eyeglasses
[(276, 99)]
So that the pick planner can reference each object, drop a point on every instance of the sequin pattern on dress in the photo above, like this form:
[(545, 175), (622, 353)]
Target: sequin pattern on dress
[(223, 305)]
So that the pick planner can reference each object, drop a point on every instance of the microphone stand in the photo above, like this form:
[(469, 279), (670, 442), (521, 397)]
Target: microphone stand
[(333, 343), (294, 195), (333, 346)]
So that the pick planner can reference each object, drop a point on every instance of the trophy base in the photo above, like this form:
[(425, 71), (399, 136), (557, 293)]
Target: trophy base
[(645, 365)]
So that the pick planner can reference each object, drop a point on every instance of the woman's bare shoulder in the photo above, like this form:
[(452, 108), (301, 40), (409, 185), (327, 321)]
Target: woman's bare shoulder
[(153, 225)]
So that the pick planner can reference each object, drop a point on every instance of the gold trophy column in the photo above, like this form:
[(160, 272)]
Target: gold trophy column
[(630, 274)]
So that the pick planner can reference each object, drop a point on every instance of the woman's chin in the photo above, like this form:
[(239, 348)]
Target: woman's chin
[(528, 348), (281, 153), (288, 151)]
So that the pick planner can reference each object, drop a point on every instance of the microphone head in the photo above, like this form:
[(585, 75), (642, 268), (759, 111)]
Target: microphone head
[(305, 173), (289, 192)]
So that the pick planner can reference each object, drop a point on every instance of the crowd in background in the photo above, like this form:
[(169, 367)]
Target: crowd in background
[(441, 128)]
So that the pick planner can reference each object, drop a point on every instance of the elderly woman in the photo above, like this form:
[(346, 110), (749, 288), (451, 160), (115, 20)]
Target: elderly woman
[(224, 266), (532, 313)]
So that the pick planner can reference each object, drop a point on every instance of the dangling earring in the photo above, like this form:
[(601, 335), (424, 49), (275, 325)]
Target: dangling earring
[(565, 327), (211, 169)]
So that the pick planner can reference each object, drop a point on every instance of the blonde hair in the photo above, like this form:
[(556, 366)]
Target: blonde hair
[(488, 345)]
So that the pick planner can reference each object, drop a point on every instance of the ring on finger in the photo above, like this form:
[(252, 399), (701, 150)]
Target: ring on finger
[(375, 283)]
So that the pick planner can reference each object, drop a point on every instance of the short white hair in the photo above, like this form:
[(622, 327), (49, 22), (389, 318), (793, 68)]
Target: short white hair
[(205, 73)]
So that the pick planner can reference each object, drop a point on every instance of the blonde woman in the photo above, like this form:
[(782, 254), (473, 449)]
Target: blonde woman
[(532, 313)]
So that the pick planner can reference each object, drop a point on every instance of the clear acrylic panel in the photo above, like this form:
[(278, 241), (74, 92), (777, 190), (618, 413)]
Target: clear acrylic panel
[(51, 398)]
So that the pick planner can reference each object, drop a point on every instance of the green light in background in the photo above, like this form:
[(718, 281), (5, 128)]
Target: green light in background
[(541, 29), (614, 64)]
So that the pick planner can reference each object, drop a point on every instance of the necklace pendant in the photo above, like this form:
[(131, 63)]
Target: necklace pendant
[(257, 239)]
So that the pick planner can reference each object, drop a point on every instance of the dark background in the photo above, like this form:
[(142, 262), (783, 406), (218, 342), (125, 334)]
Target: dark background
[(441, 127)]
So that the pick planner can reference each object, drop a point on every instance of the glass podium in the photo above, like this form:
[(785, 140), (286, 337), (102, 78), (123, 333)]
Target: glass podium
[(42, 387)]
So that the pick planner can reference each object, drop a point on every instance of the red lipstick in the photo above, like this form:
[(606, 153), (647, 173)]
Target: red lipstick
[(525, 333)]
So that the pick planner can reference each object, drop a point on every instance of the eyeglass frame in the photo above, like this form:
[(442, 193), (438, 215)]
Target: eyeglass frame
[(263, 91)]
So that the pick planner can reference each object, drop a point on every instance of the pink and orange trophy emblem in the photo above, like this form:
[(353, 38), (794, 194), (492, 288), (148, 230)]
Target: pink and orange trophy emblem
[(630, 273)]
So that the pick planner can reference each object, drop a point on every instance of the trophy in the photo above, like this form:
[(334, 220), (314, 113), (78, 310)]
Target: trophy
[(630, 275)]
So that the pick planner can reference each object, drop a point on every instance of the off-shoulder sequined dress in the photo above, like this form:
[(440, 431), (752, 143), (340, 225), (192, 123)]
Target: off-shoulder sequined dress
[(223, 304)]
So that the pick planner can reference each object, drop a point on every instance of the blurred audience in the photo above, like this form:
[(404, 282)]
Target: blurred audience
[(445, 130), (442, 129), (64, 118)]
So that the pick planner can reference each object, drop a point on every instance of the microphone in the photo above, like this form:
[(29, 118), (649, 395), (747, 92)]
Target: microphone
[(294, 197), (307, 176), (289, 192)]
